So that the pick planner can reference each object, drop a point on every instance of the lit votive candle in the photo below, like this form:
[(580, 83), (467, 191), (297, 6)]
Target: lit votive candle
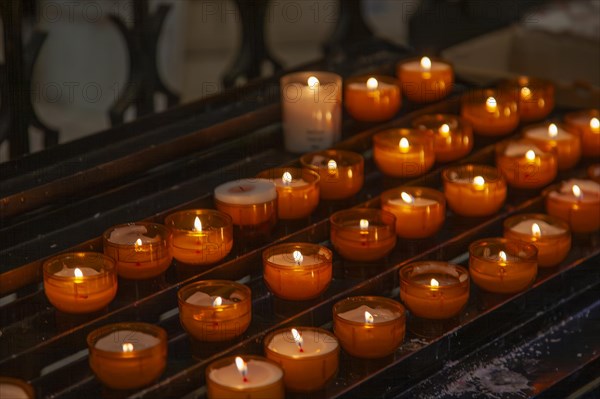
[(420, 211), (312, 110), (297, 271), (474, 190), (249, 202), (308, 356), (200, 236), (490, 112), (434, 290), (555, 137), (369, 326), (453, 136), (13, 388), (342, 172), (247, 377), (502, 265), (524, 165), (535, 97), (215, 310), (425, 80), (404, 152), (550, 235), (297, 191), (577, 202), (140, 250), (80, 282), (363, 235), (372, 98), (587, 125), (128, 355)]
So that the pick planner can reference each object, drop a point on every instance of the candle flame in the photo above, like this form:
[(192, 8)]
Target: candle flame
[(127, 347), (138, 242), (332, 166), (368, 318), (78, 273), (218, 301), (364, 224), (552, 130), (595, 124), (312, 82), (491, 105), (197, 224), (372, 84), (479, 181), (286, 178), (502, 256), (426, 63), (434, 284), (406, 197), (298, 339), (525, 93), (404, 144), (576, 192), (530, 155), (242, 367), (298, 258), (444, 130), (535, 230)]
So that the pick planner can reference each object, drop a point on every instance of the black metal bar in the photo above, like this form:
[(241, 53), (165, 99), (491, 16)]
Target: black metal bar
[(351, 28)]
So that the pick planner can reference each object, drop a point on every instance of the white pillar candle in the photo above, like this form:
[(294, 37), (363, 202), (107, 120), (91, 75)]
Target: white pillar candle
[(11, 391), (312, 110), (118, 341), (246, 192), (380, 315), (130, 234), (259, 374), (314, 343)]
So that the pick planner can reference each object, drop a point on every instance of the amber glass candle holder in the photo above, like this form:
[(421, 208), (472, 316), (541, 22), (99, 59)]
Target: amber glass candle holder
[(490, 112), (363, 235), (372, 98), (420, 211), (369, 326), (140, 250), (404, 152), (453, 136), (425, 79), (550, 235), (474, 190), (577, 202), (434, 290), (535, 96), (297, 271), (259, 378), (524, 165), (309, 356), (14, 388), (80, 282), (556, 138), (215, 310), (342, 172), (200, 236), (297, 191), (502, 265), (128, 355), (587, 125)]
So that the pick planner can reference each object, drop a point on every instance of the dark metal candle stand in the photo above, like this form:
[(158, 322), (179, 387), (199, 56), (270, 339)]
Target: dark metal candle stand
[(36, 338)]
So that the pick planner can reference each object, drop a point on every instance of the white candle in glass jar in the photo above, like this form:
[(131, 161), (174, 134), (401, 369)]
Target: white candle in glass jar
[(313, 343), (526, 227), (126, 341), (258, 374), (130, 234), (312, 110), (377, 315), (246, 192), (200, 298), (70, 272)]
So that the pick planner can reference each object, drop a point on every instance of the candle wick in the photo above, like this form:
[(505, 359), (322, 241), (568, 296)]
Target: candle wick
[(245, 379), (242, 188)]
